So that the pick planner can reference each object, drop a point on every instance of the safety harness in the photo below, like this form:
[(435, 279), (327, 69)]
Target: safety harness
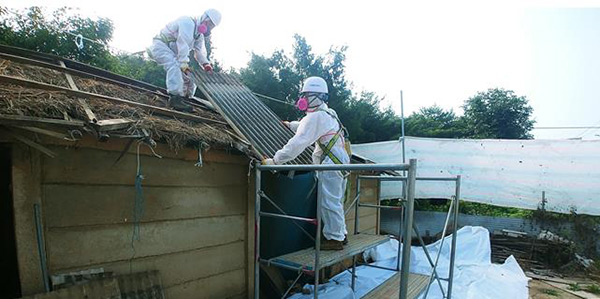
[(166, 39), (326, 148)]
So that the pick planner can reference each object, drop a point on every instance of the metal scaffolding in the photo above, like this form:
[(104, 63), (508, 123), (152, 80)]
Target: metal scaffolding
[(310, 261)]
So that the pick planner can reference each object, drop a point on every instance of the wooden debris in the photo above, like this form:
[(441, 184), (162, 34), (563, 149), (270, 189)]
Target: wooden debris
[(31, 143), (158, 110), (112, 124), (31, 121)]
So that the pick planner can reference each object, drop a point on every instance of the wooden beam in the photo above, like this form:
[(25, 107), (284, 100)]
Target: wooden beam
[(112, 124), (83, 94), (27, 191), (91, 117), (45, 132), (51, 66), (31, 143), (30, 121), (47, 65)]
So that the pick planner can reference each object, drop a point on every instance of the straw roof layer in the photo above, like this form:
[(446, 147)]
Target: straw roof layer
[(26, 101)]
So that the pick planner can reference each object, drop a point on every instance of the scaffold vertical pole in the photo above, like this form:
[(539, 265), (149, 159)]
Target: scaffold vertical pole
[(455, 229), (317, 242), (257, 199), (408, 222)]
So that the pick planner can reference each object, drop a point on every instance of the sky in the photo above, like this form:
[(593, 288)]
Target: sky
[(436, 52)]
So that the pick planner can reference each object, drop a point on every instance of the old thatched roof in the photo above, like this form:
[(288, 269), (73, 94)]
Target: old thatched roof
[(34, 89)]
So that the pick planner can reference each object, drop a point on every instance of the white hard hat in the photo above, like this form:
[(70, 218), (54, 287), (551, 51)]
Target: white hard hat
[(315, 84), (214, 15)]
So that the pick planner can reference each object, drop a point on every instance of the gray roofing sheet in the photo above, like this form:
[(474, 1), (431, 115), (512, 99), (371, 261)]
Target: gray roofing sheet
[(247, 114)]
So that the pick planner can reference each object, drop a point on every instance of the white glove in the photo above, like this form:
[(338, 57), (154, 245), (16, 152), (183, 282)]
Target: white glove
[(185, 68), (268, 161)]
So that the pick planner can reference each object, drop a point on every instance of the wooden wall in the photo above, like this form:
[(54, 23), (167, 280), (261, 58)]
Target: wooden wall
[(368, 220), (193, 230)]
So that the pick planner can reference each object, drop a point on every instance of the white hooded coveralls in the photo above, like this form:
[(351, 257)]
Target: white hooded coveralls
[(171, 48), (321, 126)]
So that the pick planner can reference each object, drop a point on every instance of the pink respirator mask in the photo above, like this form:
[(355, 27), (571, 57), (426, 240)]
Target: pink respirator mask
[(202, 28), (302, 104)]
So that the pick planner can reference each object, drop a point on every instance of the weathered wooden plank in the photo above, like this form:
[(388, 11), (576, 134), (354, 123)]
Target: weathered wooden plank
[(85, 166), (81, 246), (77, 205), (29, 142), (89, 95), (23, 120), (180, 267), (112, 124), (95, 289), (225, 285), (365, 224), (362, 212), (188, 154), (26, 191)]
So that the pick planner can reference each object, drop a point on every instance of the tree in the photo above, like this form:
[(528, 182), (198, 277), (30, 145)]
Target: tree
[(498, 113), (280, 76), (434, 122), (55, 33)]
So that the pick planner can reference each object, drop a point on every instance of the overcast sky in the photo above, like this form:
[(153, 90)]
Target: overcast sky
[(437, 52)]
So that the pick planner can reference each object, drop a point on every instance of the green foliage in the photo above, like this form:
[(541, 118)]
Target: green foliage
[(54, 33), (574, 287), (498, 113), (34, 29), (434, 122), (280, 76), (593, 288), (472, 208), (138, 68), (551, 292)]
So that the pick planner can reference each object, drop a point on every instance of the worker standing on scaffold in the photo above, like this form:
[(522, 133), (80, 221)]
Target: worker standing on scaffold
[(321, 125), (171, 49)]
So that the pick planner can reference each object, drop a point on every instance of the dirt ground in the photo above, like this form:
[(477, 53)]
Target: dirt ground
[(542, 290)]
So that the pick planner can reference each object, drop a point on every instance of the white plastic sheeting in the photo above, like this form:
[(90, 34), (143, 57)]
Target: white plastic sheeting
[(510, 173), (475, 277)]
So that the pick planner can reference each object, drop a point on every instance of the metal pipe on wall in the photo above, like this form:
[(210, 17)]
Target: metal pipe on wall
[(41, 248)]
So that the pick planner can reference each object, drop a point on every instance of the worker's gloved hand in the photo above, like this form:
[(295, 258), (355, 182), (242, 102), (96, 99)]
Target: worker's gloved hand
[(286, 123), (185, 68), (268, 161), (207, 67)]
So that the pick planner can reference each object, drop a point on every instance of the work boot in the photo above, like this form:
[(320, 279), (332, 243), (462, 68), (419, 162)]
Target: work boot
[(331, 245), (177, 102)]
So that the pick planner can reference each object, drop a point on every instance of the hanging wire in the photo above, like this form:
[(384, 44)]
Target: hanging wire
[(79, 38)]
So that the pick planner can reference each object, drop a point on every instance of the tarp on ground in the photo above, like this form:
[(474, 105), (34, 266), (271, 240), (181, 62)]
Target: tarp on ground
[(475, 277), (511, 173)]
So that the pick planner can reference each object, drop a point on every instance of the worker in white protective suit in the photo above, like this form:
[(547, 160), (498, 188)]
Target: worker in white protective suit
[(321, 125), (171, 49)]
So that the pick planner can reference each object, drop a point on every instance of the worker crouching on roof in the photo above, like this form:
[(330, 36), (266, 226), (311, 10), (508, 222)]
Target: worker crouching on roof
[(321, 125), (171, 49)]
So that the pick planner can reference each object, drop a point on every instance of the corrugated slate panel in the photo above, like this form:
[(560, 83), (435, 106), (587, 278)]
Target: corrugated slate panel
[(247, 114)]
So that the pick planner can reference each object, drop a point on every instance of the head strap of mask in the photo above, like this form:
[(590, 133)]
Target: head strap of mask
[(202, 28), (308, 101)]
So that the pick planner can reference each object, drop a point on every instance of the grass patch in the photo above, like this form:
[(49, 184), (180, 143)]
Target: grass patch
[(574, 287), (593, 288), (550, 292)]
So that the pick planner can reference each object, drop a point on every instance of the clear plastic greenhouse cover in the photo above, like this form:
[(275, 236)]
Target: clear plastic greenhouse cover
[(511, 173)]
